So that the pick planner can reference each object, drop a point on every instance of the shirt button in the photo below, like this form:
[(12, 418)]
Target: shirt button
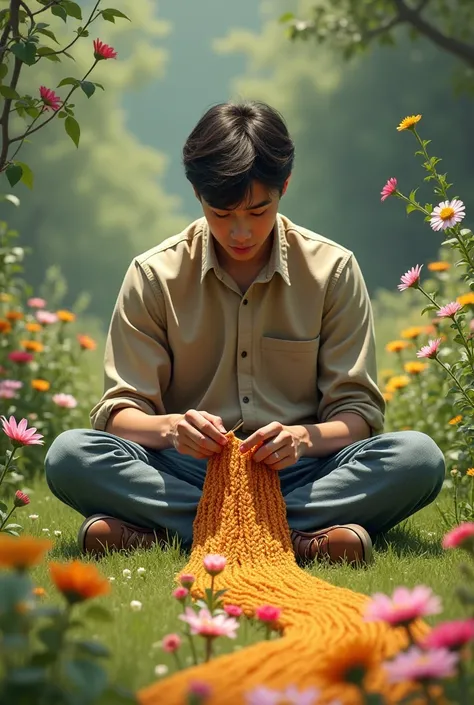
[(243, 353), (245, 302), (246, 400)]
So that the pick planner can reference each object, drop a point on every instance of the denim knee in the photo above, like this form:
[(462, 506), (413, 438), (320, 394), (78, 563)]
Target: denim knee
[(419, 456), (63, 455)]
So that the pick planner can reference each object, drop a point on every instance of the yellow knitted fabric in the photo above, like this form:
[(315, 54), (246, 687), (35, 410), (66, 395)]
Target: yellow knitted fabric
[(242, 516)]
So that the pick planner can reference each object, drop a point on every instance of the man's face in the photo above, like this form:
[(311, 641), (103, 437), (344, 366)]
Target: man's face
[(241, 233)]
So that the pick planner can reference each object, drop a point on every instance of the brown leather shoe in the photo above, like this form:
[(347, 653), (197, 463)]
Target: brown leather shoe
[(100, 533), (349, 542)]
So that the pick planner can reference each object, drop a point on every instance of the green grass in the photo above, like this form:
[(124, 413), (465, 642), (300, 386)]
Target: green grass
[(409, 555)]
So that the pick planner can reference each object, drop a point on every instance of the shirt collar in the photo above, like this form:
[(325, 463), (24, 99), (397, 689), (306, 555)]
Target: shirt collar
[(277, 263)]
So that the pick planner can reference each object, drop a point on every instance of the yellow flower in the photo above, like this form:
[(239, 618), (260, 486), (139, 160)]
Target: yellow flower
[(78, 581), (455, 420), (5, 326), (409, 122), (412, 332), (23, 551), (397, 346), (466, 299), (66, 316), (33, 327), (439, 266), (33, 345), (5, 297), (386, 372), (388, 396), (414, 368), (470, 472), (397, 382), (41, 385)]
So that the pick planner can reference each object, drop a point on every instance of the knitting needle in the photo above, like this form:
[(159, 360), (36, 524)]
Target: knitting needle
[(237, 426)]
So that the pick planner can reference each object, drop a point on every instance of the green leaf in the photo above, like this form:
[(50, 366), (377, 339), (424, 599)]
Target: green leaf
[(3, 71), (59, 11), (28, 178), (410, 207), (99, 85), (48, 53), (99, 613), (25, 51), (8, 92), (88, 87), (92, 648), (287, 17), (430, 307), (14, 173), (26, 676), (51, 638), (88, 676), (73, 9), (69, 81), (73, 129), (112, 12), (13, 526), (47, 33), (3, 507)]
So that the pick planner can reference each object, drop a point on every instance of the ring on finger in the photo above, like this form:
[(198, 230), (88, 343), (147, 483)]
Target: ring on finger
[(276, 455)]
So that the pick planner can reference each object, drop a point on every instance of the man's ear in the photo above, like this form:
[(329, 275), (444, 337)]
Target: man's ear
[(285, 185)]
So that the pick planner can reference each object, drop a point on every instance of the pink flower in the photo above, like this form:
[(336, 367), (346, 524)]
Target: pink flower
[(268, 613), (447, 214), (171, 643), (214, 564), (460, 537), (449, 309), (389, 189), (450, 635), (180, 593), (21, 499), (103, 51), (289, 696), (430, 350), (6, 393), (411, 278), (11, 384), (208, 626), (403, 607), (20, 356), (186, 579), (49, 98), (36, 302), (19, 433), (200, 689), (65, 400), (233, 610), (418, 665), (46, 317)]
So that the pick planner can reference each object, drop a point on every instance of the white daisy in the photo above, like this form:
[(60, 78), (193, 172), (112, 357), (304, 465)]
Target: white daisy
[(446, 214)]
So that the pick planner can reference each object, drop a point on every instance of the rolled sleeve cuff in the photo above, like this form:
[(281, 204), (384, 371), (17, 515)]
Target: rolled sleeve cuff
[(100, 414), (372, 415)]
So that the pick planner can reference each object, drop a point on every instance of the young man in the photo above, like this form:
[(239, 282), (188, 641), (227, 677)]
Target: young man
[(243, 315)]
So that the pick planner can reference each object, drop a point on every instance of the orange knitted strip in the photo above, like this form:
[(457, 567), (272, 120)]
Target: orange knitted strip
[(242, 516)]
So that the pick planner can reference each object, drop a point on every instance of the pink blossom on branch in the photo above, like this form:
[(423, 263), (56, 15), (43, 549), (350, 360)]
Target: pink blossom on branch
[(20, 433), (403, 607), (103, 51), (171, 643), (411, 279), (447, 214), (50, 99), (419, 665), (21, 499), (180, 593), (389, 189), (430, 350), (36, 302), (450, 635), (449, 310), (460, 537)]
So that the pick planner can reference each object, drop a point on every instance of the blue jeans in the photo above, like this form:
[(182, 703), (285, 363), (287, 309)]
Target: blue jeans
[(376, 482)]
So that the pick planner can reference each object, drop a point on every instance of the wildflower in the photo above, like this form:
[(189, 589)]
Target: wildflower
[(46, 317), (86, 342), (67, 401), (389, 189), (78, 581), (397, 346), (466, 299), (409, 122), (20, 356), (22, 552), (36, 302), (290, 696), (136, 605), (21, 499), (141, 572), (450, 635), (208, 626), (447, 214), (5, 297), (33, 345), (50, 99), (449, 310), (233, 610), (57, 532), (411, 279), (5, 326), (397, 382), (439, 266), (388, 396), (39, 592), (103, 51), (268, 613), (419, 665), (161, 669), (46, 531), (412, 332), (19, 433), (33, 327), (186, 579), (41, 385), (126, 573), (403, 607), (171, 643), (455, 420), (33, 517), (14, 315), (6, 393), (111, 579), (66, 316), (351, 663), (430, 350), (200, 689), (470, 472), (214, 564), (460, 537), (180, 593), (414, 368)]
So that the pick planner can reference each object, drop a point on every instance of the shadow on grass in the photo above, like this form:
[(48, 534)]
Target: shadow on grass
[(403, 542)]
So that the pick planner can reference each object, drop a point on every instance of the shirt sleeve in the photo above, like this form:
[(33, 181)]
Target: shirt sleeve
[(137, 361), (347, 368)]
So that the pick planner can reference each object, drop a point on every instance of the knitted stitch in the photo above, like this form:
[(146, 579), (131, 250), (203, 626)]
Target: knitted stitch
[(242, 516)]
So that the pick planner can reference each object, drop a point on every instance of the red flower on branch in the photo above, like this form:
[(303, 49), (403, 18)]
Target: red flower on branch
[(49, 98), (21, 499), (103, 51)]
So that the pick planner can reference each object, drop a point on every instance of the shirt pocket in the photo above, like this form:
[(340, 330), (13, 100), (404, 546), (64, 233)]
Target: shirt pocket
[(290, 369)]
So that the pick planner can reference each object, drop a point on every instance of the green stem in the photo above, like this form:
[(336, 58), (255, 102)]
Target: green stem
[(413, 203), (7, 464), (426, 690), (461, 389), (463, 684), (431, 169), (209, 641), (7, 517), (463, 247), (191, 640)]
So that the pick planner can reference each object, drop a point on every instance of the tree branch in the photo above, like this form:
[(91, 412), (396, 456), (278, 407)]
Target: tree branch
[(6, 114), (89, 22), (46, 7)]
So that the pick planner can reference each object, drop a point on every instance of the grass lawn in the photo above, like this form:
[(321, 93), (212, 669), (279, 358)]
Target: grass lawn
[(409, 555)]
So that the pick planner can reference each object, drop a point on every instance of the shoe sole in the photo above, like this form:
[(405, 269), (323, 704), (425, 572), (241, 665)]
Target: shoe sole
[(85, 526)]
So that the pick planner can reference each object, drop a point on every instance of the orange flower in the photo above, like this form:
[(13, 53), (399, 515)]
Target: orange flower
[(33, 327), (14, 315), (388, 396), (66, 316), (41, 385), (86, 342), (470, 472), (466, 299), (397, 382), (39, 591), (22, 552), (33, 345), (412, 332), (5, 326), (439, 266), (78, 581), (431, 330), (414, 368), (349, 663), (409, 122), (455, 420), (397, 346)]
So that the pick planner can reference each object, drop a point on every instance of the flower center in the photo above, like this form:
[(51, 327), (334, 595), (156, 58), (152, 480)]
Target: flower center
[(446, 213)]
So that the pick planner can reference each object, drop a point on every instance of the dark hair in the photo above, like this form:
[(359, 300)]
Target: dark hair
[(234, 144)]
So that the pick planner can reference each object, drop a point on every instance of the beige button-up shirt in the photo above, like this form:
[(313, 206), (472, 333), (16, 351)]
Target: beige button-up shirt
[(297, 347)]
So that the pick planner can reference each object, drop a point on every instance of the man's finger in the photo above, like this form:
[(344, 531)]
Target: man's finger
[(258, 438), (215, 420)]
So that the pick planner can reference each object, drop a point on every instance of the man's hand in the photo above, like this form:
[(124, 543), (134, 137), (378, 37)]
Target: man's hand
[(278, 446), (199, 434)]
